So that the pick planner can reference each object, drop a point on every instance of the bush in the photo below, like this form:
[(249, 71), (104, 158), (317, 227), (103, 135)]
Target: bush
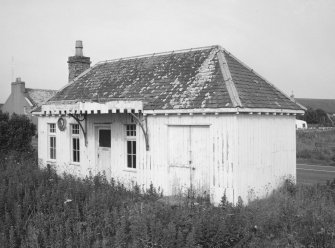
[(15, 132)]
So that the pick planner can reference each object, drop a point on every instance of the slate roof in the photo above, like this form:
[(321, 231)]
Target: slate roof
[(39, 96), (185, 79), (327, 105)]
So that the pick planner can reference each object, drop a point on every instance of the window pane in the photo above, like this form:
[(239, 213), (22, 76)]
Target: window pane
[(75, 129), (75, 149), (131, 130), (129, 161), (52, 128), (104, 138), (129, 147), (74, 156), (134, 147), (134, 161)]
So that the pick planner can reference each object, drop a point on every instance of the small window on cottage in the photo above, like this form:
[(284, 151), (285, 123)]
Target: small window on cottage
[(105, 138), (75, 143), (131, 145), (52, 141)]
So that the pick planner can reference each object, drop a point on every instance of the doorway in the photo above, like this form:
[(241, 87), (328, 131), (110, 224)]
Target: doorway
[(103, 151), (188, 159)]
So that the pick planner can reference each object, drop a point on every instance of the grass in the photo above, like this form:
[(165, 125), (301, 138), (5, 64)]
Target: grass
[(307, 150), (40, 209)]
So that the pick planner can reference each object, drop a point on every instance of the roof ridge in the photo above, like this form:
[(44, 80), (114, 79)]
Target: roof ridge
[(158, 54), (39, 89), (228, 80)]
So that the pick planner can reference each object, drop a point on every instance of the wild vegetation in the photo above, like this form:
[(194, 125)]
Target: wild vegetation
[(16, 132), (317, 117), (316, 146), (40, 209)]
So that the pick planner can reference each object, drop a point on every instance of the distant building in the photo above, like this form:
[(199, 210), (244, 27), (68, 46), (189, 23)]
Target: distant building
[(300, 124), (22, 100), (195, 119)]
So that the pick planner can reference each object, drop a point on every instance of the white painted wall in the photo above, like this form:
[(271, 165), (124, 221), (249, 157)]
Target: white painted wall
[(244, 151), (267, 154)]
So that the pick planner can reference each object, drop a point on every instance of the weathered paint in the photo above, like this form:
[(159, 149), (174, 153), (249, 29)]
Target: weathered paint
[(267, 154), (231, 154)]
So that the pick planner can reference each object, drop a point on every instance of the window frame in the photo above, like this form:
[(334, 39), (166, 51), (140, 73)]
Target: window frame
[(131, 136), (74, 136), (52, 134)]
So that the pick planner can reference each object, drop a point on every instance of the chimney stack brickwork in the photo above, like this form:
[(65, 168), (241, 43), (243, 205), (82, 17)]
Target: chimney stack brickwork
[(78, 63), (18, 86)]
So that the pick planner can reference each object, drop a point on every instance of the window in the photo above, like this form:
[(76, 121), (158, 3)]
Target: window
[(131, 145), (75, 143), (52, 140), (105, 138)]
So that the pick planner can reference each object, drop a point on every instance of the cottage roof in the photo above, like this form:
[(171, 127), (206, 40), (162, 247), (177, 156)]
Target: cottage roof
[(207, 77), (39, 96)]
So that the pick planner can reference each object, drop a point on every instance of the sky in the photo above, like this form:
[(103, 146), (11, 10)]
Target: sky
[(291, 43)]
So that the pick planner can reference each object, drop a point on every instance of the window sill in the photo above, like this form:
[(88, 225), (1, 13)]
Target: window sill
[(49, 161), (130, 170)]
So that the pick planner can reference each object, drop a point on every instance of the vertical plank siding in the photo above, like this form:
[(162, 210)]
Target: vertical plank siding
[(266, 154), (245, 152)]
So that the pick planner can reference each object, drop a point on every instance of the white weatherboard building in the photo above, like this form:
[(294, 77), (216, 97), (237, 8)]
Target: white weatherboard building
[(196, 118)]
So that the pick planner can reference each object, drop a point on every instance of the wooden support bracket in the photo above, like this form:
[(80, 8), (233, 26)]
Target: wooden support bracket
[(80, 118), (144, 129)]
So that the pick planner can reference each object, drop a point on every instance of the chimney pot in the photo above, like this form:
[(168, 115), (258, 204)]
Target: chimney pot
[(78, 63), (18, 80), (79, 48)]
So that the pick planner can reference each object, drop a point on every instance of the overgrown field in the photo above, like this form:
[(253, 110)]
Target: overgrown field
[(315, 146), (40, 209)]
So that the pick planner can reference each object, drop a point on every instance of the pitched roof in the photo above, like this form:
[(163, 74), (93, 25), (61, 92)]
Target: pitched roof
[(39, 96), (206, 77), (327, 105)]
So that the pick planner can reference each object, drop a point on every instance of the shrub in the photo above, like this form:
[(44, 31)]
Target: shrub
[(15, 132)]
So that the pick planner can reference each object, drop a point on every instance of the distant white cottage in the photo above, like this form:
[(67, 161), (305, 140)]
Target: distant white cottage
[(300, 124), (196, 118)]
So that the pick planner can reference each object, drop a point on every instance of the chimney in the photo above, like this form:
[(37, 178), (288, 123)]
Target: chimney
[(18, 86), (78, 63)]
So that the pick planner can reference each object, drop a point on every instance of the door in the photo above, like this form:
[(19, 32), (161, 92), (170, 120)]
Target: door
[(103, 151), (188, 159)]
